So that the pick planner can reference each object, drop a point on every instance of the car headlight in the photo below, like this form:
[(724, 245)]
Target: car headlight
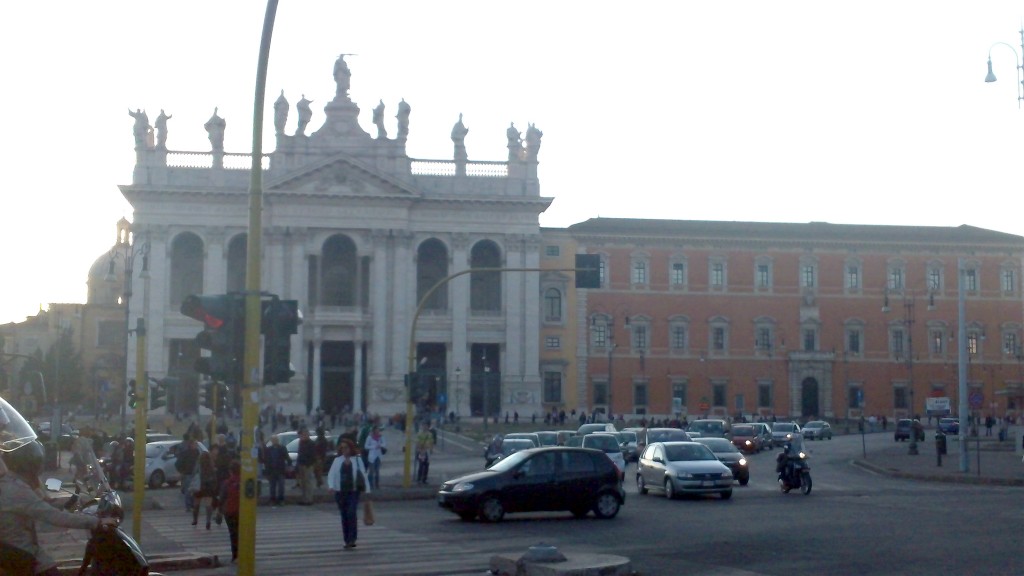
[(748, 443), (743, 461), (789, 436), (684, 475), (462, 487), (803, 455)]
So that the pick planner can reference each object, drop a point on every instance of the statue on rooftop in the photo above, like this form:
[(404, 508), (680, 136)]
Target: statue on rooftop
[(533, 136), (215, 130), (280, 113), (459, 132), (515, 142), (305, 113), (161, 130), (141, 128), (378, 121), (403, 119), (342, 75)]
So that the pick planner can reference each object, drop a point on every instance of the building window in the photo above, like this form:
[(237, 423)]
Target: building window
[(897, 337), (679, 337), (853, 278), (640, 272), (938, 339), (899, 398), (678, 274), (896, 279), (853, 344), (807, 276), (853, 397), (640, 394), (763, 339), (552, 305), (935, 279), (718, 394), (1010, 344), (763, 276), (553, 387), (552, 251), (1009, 281), (717, 275), (640, 337), (810, 339), (600, 335), (602, 270), (971, 280), (972, 343), (764, 395), (718, 339), (679, 394), (552, 342), (600, 393)]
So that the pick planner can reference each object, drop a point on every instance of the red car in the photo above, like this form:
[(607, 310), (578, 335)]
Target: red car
[(746, 438)]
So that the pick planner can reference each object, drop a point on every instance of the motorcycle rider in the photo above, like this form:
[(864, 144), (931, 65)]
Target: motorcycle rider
[(22, 501), (784, 462)]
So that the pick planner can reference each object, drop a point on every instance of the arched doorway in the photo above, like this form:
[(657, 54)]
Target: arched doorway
[(809, 398)]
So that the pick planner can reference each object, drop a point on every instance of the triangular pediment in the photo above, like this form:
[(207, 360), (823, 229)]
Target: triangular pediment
[(339, 175)]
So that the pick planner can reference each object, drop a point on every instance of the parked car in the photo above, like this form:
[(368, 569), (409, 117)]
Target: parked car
[(538, 480), (710, 428), (648, 436), (783, 432), (682, 468), (609, 444), (548, 438), (64, 440), (905, 427), (564, 435), (596, 427), (764, 430), (505, 448), (731, 456), (746, 438), (160, 459), (293, 452), (531, 436), (627, 439), (817, 430), (949, 425)]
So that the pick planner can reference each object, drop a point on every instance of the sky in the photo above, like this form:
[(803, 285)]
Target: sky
[(864, 112)]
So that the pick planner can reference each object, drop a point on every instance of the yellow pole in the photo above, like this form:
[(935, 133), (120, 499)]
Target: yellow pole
[(142, 397), (250, 384), (213, 415)]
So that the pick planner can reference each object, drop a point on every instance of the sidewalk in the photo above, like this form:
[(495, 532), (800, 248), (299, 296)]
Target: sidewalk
[(989, 461)]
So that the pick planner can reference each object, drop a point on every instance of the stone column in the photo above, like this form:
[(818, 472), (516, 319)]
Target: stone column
[(380, 297), (459, 304), (357, 376)]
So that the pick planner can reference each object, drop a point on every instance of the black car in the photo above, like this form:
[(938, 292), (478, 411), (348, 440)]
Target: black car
[(905, 427), (730, 455), (538, 480)]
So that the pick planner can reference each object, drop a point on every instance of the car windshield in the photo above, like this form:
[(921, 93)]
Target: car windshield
[(709, 428), (814, 425), (784, 427), (719, 445), (628, 436), (669, 435), (742, 430), (531, 438), (510, 445), (687, 452), (603, 442), (548, 438), (510, 462)]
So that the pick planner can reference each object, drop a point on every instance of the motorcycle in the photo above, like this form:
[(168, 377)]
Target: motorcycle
[(109, 550), (794, 471)]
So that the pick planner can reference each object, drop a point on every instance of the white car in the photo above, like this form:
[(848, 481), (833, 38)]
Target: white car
[(160, 459), (682, 468), (609, 444)]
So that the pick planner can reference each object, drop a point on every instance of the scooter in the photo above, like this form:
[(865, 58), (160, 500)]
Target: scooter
[(109, 550), (794, 472)]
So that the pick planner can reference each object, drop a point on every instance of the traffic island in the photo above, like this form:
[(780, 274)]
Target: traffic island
[(544, 560)]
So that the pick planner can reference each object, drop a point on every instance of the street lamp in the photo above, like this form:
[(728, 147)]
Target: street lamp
[(991, 77), (908, 321), (132, 250), (458, 393)]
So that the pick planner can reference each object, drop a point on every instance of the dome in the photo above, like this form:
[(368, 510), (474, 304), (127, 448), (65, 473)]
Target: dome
[(106, 275)]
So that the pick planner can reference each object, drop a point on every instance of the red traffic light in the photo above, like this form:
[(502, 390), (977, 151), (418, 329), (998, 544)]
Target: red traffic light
[(212, 311)]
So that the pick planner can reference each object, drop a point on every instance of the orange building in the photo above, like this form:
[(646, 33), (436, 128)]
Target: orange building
[(797, 320)]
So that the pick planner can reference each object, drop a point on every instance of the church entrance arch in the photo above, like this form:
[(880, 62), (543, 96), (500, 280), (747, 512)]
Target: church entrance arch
[(809, 400)]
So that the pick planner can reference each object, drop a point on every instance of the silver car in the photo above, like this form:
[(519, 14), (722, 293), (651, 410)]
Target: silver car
[(682, 468), (160, 459), (783, 432)]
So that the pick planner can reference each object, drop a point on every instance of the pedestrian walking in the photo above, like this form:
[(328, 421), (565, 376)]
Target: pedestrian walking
[(229, 504), (276, 461), (185, 462), (208, 488), (424, 447), (376, 447), (320, 447), (305, 461), (346, 480)]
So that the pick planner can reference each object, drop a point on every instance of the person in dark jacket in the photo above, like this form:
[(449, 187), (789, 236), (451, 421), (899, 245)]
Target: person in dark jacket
[(230, 499), (275, 462), (304, 463), (186, 462)]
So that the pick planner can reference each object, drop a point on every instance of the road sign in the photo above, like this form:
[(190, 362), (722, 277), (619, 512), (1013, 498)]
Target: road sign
[(937, 406), (975, 399)]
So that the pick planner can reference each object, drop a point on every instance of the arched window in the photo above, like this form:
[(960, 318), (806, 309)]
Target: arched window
[(552, 305), (431, 268), (339, 272), (237, 250), (485, 287), (186, 267)]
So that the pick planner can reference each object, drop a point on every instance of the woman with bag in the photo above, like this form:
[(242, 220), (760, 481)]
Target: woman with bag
[(346, 480), (204, 488)]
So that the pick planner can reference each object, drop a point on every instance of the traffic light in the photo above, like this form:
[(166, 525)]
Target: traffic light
[(158, 392), (223, 318), (223, 399), (206, 395), (133, 399), (588, 270), (280, 320)]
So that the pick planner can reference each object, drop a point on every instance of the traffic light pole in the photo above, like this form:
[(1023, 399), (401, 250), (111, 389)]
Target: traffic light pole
[(250, 384), (139, 462)]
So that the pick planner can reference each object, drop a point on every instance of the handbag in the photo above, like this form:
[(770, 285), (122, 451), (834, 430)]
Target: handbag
[(368, 518), (195, 484)]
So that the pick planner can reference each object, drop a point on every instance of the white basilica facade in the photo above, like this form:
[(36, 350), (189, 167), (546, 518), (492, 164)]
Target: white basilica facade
[(358, 233)]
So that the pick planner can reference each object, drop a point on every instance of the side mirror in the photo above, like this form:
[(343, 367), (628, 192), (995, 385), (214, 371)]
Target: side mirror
[(53, 484), (659, 460)]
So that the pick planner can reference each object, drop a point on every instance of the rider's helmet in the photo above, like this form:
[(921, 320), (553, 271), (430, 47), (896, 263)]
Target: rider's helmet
[(22, 454)]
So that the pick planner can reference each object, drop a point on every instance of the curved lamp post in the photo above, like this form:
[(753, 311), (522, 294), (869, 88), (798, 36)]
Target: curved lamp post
[(991, 77)]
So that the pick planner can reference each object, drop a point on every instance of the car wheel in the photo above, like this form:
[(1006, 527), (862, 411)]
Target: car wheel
[(727, 494), (156, 479), (467, 516), (606, 506), (641, 486), (744, 480), (670, 489), (492, 510)]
